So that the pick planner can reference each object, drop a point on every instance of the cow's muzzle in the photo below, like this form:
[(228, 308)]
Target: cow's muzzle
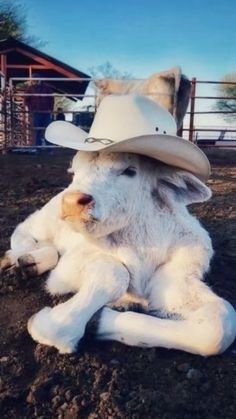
[(74, 203)]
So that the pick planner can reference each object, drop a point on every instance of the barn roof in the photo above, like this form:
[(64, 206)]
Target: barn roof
[(22, 59)]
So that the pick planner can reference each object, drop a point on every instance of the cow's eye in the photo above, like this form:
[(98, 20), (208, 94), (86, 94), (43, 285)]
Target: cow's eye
[(130, 171)]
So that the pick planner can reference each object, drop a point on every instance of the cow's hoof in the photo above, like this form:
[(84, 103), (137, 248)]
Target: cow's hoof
[(27, 266), (5, 263), (45, 328)]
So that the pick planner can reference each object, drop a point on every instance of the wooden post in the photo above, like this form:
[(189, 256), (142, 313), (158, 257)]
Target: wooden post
[(192, 109)]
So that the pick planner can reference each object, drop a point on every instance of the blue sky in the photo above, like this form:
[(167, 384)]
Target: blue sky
[(140, 37)]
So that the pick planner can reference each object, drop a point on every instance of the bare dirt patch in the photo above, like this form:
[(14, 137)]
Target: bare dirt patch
[(108, 380)]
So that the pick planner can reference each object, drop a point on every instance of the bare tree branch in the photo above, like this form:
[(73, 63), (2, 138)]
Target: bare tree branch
[(107, 70)]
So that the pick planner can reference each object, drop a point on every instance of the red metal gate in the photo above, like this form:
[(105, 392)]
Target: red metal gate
[(209, 135)]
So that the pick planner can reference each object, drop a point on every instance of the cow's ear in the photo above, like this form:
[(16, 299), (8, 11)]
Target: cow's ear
[(182, 100), (184, 187), (163, 87), (171, 89)]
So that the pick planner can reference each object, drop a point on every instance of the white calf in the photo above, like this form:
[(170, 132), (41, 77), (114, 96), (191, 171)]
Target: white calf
[(122, 230)]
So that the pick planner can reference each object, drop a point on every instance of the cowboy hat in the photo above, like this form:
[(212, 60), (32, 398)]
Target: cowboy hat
[(135, 124)]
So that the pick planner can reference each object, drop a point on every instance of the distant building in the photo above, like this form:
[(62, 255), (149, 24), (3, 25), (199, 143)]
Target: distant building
[(18, 60)]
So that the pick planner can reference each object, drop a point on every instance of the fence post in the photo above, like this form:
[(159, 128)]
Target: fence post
[(192, 109), (4, 108)]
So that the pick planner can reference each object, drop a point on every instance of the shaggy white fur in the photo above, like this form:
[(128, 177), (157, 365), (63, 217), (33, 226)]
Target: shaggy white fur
[(122, 232)]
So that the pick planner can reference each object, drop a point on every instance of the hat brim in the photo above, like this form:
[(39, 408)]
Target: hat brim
[(171, 150)]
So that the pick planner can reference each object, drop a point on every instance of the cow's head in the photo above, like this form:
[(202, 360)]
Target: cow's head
[(113, 191)]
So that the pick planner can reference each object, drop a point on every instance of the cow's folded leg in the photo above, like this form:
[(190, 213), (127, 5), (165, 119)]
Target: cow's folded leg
[(38, 261), (66, 275), (10, 259), (194, 318), (64, 325), (21, 243), (30, 262), (31, 250), (207, 331)]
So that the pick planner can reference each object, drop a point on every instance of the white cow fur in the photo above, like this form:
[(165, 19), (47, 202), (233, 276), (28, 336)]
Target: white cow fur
[(137, 237), (168, 88)]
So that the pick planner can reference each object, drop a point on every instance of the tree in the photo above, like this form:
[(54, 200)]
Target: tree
[(228, 91), (108, 71), (13, 22)]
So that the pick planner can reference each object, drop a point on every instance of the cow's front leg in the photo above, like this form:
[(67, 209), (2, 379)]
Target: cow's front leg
[(31, 262), (32, 256), (38, 261), (104, 280)]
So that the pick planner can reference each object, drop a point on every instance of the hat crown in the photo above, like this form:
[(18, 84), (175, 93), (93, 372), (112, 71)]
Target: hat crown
[(120, 117)]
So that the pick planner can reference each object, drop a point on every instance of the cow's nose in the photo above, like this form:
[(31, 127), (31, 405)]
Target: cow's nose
[(74, 202), (84, 199)]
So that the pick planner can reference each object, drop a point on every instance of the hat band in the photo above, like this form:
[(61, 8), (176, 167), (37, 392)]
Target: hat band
[(104, 141)]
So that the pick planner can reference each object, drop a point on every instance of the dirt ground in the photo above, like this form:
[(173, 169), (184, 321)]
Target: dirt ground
[(108, 380)]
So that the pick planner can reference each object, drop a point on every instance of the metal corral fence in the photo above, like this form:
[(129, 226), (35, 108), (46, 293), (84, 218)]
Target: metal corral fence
[(19, 127), (204, 123)]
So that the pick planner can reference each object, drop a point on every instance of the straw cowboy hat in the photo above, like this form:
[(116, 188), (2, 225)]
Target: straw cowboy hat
[(135, 124)]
